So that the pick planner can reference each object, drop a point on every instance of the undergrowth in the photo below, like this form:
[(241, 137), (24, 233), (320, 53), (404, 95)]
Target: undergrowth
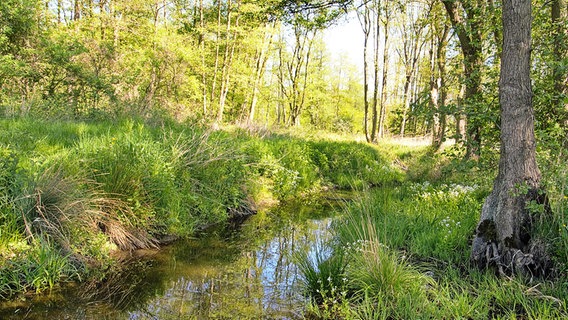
[(403, 252), (72, 193)]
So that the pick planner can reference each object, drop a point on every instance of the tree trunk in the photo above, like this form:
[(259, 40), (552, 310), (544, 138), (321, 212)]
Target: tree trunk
[(459, 117), (438, 132), (560, 71), (260, 66), (383, 105), (365, 21), (76, 10), (376, 35), (503, 235), (297, 69), (467, 25), (434, 93), (217, 54), (202, 54), (413, 42), (231, 40)]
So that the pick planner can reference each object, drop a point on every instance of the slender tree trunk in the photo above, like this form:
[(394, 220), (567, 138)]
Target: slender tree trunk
[(217, 53), (302, 98), (76, 10), (503, 235), (406, 97), (280, 111), (460, 118), (376, 38), (434, 90), (231, 42), (560, 70), (384, 91), (365, 21), (260, 66), (412, 50), (202, 54), (59, 10), (297, 72), (439, 130)]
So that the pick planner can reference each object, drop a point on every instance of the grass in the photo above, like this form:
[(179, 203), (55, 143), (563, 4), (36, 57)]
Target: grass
[(72, 193), (405, 251), (84, 190)]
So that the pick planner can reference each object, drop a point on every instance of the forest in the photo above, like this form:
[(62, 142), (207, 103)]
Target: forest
[(143, 125)]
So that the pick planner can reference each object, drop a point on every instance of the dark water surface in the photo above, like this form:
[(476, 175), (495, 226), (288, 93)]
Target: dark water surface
[(246, 272)]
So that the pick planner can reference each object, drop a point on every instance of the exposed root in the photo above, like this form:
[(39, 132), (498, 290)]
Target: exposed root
[(533, 263)]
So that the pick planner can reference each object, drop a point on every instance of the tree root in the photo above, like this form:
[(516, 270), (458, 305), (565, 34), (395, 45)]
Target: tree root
[(535, 262)]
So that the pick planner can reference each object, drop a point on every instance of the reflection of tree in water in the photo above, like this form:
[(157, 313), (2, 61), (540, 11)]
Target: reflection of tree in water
[(244, 274), (260, 281)]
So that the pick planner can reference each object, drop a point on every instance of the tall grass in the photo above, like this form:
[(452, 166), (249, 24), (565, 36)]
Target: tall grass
[(38, 266), (406, 253), (85, 190)]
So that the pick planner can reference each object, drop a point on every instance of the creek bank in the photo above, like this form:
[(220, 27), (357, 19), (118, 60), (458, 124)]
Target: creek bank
[(73, 193)]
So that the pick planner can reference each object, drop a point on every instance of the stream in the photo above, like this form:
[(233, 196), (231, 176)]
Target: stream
[(241, 272)]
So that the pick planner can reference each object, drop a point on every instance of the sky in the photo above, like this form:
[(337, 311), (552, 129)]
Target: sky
[(346, 37)]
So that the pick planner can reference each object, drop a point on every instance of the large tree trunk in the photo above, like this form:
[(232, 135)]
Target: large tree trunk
[(503, 236)]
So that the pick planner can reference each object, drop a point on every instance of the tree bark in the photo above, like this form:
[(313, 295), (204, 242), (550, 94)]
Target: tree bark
[(76, 10), (230, 43), (503, 235), (217, 53), (413, 42)]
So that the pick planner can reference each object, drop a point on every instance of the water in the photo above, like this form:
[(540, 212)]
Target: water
[(242, 273)]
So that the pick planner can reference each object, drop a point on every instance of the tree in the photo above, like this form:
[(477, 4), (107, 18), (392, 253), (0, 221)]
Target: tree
[(364, 16), (467, 17), (560, 42), (413, 40), (368, 13), (306, 24), (438, 86), (388, 13), (503, 235)]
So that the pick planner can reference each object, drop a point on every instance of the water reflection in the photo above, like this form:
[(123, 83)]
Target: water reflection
[(248, 275), (253, 284)]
